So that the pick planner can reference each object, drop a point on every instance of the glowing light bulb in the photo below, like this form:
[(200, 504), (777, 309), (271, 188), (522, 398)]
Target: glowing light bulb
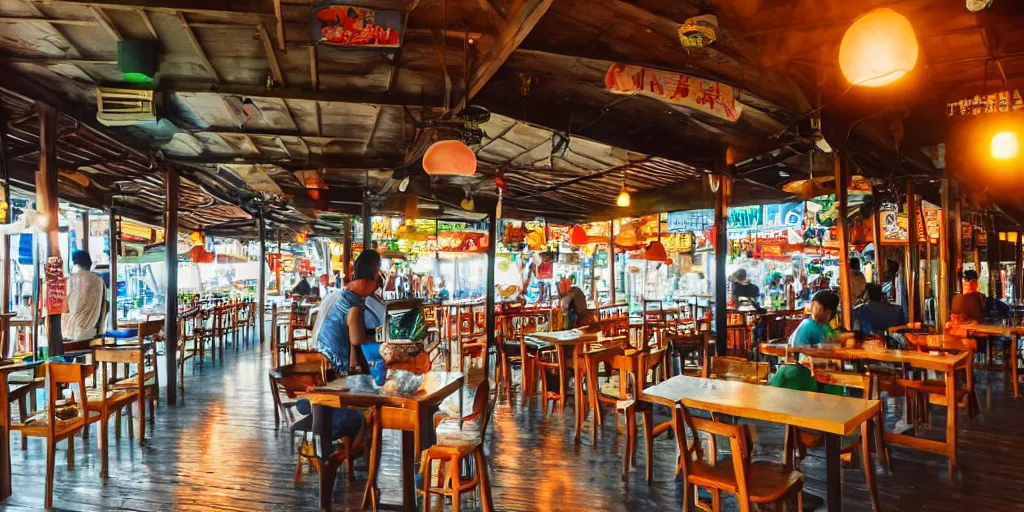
[(879, 48), (1005, 146), (623, 200)]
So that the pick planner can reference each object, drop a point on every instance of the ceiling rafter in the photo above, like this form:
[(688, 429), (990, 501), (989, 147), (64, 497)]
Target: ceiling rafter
[(191, 35)]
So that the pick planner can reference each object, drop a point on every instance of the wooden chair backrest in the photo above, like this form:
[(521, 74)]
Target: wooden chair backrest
[(149, 328), (737, 337), (862, 381), (60, 376), (738, 437), (738, 368), (943, 342)]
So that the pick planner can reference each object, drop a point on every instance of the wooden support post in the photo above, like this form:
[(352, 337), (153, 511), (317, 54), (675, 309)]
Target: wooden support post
[(958, 238), (876, 238), (723, 196), (842, 171), (611, 262), (85, 232), (943, 300), (492, 235), (5, 293), (346, 254), (277, 269), (171, 260), (367, 224), (995, 288), (926, 276), (261, 285), (1018, 263), (912, 261), (46, 203), (115, 250)]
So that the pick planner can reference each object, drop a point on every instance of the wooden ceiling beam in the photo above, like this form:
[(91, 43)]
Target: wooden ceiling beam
[(493, 17), (314, 67), (299, 93), (204, 60), (228, 7), (340, 162), (520, 24), (106, 23), (49, 21), (149, 24), (268, 45)]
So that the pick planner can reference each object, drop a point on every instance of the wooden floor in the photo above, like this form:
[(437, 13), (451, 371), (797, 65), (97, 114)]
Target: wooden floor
[(218, 450)]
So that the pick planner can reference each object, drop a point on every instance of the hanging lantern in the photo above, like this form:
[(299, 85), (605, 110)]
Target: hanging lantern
[(449, 158), (623, 200), (301, 237), (655, 252), (578, 236), (879, 48), (699, 31), (197, 238)]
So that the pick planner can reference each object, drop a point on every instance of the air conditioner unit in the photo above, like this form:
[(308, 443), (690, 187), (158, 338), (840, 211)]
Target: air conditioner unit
[(124, 107)]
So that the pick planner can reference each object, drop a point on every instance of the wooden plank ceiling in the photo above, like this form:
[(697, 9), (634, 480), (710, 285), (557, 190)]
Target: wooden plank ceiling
[(247, 102)]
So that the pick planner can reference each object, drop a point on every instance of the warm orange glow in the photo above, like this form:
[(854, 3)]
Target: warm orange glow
[(449, 157), (1011, 237), (1002, 236), (1005, 146), (301, 237), (623, 200), (879, 48)]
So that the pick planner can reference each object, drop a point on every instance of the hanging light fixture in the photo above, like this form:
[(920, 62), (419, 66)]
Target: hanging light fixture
[(449, 158), (623, 200), (879, 48), (301, 237), (1005, 146)]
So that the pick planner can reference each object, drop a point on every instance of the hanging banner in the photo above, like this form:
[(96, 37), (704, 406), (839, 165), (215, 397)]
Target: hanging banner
[(980, 104), (454, 241), (706, 96), (745, 217), (692, 220), (894, 225), (785, 215), (337, 24)]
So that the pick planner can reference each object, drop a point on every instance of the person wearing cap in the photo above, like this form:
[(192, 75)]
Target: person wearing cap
[(815, 329)]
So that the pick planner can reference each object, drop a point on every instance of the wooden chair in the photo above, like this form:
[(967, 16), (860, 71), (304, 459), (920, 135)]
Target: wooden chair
[(759, 483), (106, 401), (690, 346), (188, 344), (300, 326), (924, 392), (647, 363), (456, 445), (798, 441), (60, 419), (145, 376), (739, 369)]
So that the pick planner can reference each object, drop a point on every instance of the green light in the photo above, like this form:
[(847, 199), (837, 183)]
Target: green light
[(136, 78)]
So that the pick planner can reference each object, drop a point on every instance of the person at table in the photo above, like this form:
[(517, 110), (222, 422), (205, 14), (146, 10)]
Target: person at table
[(574, 305), (742, 288), (875, 315), (970, 305), (302, 288), (858, 283), (84, 303), (442, 291), (816, 328), (344, 326)]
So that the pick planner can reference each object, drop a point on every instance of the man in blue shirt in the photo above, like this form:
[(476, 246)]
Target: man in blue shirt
[(815, 330), (876, 316)]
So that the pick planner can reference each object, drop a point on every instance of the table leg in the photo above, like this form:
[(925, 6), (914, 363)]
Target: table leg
[(1014, 343), (5, 442), (951, 416), (578, 404), (408, 480), (561, 381), (322, 416), (834, 484)]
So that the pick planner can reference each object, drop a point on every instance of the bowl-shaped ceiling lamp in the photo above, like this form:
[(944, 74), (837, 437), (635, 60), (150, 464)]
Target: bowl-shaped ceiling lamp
[(449, 158), (655, 252), (879, 48)]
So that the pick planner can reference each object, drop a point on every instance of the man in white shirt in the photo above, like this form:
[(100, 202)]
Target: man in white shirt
[(84, 303)]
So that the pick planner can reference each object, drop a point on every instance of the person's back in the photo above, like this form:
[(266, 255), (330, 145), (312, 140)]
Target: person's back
[(84, 302), (332, 338), (877, 317)]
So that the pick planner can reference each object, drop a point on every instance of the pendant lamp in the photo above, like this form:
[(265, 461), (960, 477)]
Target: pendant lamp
[(449, 158), (879, 48)]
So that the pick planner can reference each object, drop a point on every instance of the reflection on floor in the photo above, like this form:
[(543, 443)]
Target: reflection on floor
[(218, 450)]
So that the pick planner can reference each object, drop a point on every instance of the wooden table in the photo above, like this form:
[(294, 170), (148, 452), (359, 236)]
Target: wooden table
[(562, 341), (409, 411), (946, 363), (835, 416), (1013, 333)]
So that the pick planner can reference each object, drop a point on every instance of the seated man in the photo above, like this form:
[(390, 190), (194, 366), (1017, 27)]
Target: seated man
[(877, 316), (815, 329), (574, 305), (84, 303)]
